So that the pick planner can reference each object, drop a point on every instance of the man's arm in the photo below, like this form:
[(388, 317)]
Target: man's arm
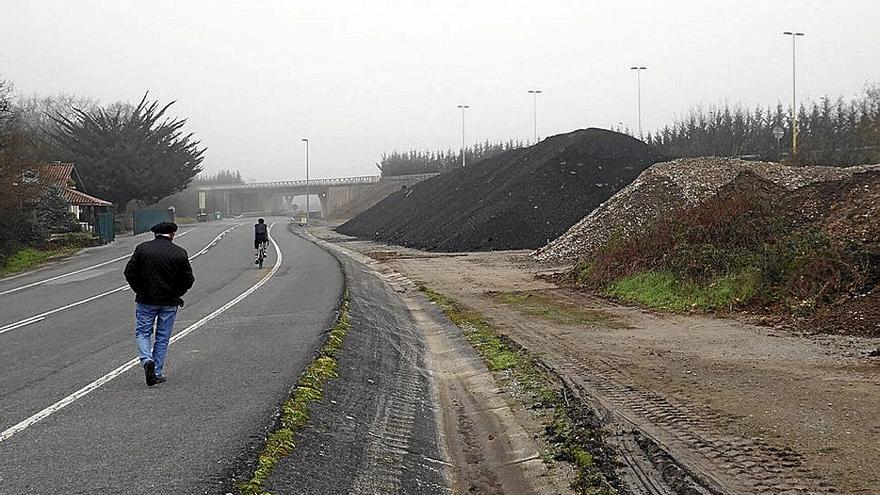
[(133, 270), (186, 276)]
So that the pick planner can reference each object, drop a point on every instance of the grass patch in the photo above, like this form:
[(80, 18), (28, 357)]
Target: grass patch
[(29, 258), (574, 434), (549, 308), (663, 290), (295, 410)]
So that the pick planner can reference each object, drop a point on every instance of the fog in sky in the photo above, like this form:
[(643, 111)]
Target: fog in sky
[(362, 78)]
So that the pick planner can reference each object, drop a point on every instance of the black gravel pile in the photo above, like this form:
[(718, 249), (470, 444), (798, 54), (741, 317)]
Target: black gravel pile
[(520, 199)]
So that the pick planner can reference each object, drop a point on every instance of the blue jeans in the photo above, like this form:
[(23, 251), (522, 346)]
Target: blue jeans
[(145, 316)]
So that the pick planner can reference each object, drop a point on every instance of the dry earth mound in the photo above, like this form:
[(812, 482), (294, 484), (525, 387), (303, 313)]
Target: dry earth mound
[(520, 199), (672, 186), (808, 256)]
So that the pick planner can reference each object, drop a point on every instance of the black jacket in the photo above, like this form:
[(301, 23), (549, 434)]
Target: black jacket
[(159, 272), (261, 232)]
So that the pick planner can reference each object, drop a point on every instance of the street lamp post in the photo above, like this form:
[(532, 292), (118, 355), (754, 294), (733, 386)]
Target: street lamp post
[(535, 93), (305, 140), (794, 111), (463, 160), (639, 70)]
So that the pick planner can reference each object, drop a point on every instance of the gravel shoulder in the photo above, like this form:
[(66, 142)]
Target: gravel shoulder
[(749, 409), (414, 409)]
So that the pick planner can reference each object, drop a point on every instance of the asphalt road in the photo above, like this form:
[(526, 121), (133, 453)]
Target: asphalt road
[(226, 377)]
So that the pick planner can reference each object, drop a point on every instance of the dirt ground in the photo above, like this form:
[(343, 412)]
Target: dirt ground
[(748, 409)]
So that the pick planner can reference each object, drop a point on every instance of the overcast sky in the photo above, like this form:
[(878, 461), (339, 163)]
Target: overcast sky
[(361, 78)]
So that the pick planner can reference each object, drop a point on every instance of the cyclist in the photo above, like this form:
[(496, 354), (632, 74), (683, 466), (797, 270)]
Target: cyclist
[(261, 237)]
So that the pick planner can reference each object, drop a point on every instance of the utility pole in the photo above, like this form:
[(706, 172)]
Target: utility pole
[(535, 93), (463, 159), (305, 140), (639, 70), (794, 109)]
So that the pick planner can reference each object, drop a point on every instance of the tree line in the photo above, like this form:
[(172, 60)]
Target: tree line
[(123, 153), (428, 162), (830, 132)]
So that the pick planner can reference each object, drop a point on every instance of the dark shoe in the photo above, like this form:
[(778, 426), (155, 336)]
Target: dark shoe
[(150, 372), (160, 379)]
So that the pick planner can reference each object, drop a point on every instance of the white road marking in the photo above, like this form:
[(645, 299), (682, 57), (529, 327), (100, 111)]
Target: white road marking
[(41, 282), (33, 319), (42, 316), (27, 322), (70, 399)]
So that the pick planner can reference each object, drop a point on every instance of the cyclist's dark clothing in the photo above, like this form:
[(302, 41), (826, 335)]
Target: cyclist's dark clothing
[(261, 234)]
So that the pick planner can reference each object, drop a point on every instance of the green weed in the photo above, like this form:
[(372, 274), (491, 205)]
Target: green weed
[(664, 290), (29, 258), (295, 410), (570, 436)]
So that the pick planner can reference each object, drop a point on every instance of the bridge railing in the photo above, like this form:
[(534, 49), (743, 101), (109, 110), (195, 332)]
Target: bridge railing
[(338, 181)]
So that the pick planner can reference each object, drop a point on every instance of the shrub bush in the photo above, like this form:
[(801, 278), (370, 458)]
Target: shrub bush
[(740, 248)]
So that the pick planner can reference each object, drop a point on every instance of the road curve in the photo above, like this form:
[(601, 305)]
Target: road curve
[(225, 379)]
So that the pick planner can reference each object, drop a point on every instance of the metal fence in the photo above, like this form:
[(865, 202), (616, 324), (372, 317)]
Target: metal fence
[(105, 227), (144, 219)]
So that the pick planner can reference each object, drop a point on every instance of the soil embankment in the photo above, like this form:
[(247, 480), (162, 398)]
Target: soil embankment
[(520, 199), (799, 245), (673, 186)]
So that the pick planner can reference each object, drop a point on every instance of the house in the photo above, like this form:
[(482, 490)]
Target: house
[(36, 180)]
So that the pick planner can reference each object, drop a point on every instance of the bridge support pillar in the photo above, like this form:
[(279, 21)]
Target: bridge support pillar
[(325, 205)]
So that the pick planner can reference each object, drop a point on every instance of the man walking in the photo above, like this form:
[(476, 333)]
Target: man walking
[(159, 273)]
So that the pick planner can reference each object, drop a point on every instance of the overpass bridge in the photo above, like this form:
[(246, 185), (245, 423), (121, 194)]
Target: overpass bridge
[(338, 197)]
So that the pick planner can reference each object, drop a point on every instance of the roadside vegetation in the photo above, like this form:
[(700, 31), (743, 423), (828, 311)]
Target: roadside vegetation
[(753, 246), (128, 154), (573, 432), (30, 258), (280, 442)]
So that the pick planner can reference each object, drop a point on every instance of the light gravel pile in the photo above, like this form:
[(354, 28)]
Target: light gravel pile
[(670, 186)]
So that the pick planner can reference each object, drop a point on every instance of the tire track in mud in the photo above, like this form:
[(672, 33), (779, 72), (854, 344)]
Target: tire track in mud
[(724, 463), (390, 431), (484, 448), (690, 436), (376, 425)]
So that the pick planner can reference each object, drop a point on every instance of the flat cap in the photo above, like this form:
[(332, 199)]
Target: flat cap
[(164, 228)]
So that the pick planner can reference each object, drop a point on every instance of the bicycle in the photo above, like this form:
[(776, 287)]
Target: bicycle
[(261, 254)]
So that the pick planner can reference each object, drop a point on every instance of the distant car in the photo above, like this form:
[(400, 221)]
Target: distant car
[(202, 216)]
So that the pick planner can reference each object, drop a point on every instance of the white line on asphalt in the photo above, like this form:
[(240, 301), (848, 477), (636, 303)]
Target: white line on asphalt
[(42, 316), (41, 282), (70, 399), (26, 322)]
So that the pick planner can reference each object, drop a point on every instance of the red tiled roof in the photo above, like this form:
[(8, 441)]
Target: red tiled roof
[(53, 174), (38, 178), (76, 198)]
